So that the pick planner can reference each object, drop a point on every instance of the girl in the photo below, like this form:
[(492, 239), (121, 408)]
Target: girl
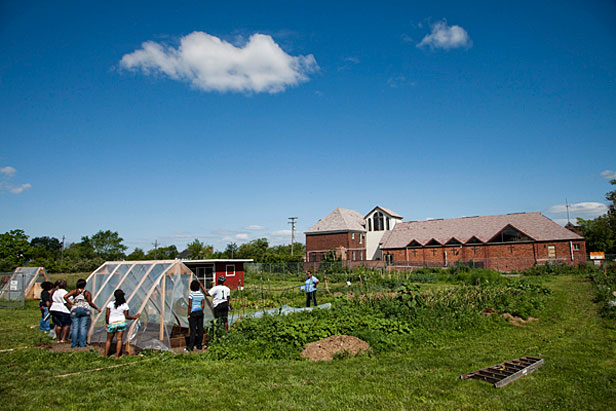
[(80, 313), (115, 318), (44, 305), (59, 311)]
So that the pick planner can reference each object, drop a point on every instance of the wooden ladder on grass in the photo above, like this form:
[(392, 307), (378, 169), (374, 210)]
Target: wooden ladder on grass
[(506, 372)]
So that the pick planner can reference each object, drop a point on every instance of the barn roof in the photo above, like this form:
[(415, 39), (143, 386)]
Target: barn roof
[(534, 225), (341, 219)]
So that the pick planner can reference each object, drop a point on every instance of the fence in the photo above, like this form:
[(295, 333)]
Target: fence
[(501, 264), (12, 290)]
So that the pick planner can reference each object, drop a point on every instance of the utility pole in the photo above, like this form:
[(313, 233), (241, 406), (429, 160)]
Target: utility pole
[(567, 206), (155, 244), (292, 222), (62, 260)]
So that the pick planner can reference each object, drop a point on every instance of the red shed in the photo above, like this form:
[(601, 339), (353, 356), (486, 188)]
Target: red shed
[(208, 270)]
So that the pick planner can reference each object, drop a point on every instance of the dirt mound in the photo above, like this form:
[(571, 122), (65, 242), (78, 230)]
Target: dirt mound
[(327, 348), (518, 321)]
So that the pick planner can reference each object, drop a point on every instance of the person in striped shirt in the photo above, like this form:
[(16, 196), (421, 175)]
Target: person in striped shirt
[(196, 305)]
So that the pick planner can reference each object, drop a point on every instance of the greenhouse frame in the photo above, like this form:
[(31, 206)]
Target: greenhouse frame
[(26, 280), (158, 290)]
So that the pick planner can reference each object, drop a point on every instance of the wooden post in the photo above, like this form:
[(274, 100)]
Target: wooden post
[(162, 313)]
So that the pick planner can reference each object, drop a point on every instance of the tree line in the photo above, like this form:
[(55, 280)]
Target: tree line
[(600, 233), (17, 250)]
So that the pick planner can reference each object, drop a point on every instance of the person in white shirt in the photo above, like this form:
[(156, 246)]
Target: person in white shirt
[(60, 313), (220, 300), (115, 317)]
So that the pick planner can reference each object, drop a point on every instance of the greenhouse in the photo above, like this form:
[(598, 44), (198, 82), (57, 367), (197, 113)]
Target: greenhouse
[(158, 290), (26, 282)]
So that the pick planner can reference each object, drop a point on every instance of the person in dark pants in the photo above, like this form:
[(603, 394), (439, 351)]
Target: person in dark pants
[(196, 305), (221, 294), (311, 289)]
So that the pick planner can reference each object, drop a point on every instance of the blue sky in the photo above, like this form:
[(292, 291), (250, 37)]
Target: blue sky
[(220, 121)]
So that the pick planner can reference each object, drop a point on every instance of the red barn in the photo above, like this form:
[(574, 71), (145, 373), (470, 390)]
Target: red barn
[(207, 271)]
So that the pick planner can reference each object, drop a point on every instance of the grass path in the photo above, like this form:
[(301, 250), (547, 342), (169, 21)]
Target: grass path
[(577, 345)]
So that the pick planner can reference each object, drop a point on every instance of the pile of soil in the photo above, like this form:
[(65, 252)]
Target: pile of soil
[(325, 349)]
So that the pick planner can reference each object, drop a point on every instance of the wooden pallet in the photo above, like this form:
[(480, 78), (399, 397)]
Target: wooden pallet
[(506, 372)]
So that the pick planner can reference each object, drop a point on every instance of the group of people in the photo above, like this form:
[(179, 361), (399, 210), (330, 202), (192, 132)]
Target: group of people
[(72, 310), (221, 295)]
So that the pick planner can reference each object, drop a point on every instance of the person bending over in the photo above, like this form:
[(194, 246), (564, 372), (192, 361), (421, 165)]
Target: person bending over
[(115, 318), (221, 294)]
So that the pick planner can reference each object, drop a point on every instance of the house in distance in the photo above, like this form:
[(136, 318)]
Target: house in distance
[(503, 242)]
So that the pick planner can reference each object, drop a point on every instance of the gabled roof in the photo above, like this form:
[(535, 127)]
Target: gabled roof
[(341, 219), (534, 225), (386, 211)]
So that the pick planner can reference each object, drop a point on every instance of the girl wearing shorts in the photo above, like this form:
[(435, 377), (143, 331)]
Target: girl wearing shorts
[(115, 318), (60, 312)]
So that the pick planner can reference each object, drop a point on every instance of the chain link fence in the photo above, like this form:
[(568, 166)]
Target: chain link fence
[(12, 290), (501, 264)]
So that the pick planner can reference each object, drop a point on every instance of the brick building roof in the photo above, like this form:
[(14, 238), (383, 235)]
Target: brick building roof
[(341, 219), (386, 210), (534, 225)]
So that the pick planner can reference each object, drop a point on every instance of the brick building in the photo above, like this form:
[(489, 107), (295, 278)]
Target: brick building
[(352, 236), (502, 242)]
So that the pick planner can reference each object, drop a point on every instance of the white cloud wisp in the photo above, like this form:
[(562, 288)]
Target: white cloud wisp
[(609, 174), (446, 37), (212, 64), (7, 173), (584, 210)]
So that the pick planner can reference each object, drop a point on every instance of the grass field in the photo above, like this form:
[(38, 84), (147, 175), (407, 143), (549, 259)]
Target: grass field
[(579, 372)]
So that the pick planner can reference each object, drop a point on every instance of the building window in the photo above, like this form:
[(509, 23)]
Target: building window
[(389, 258), (230, 270), (551, 251), (576, 247), (361, 238), (353, 255), (378, 221), (387, 223), (369, 224), (352, 236), (361, 255)]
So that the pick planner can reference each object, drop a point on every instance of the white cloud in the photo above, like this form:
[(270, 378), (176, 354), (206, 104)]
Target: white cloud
[(7, 174), (399, 81), (8, 171), (280, 233), (212, 64), (241, 236), (446, 37), (254, 227), (585, 209), (609, 174)]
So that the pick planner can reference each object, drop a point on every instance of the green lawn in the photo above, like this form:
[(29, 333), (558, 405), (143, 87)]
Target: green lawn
[(577, 345)]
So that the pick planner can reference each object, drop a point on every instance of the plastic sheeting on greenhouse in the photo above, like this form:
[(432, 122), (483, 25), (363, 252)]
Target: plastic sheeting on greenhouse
[(282, 310), (158, 290), (26, 281)]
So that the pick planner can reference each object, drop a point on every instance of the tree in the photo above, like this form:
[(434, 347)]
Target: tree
[(14, 249), (600, 233), (198, 250), (108, 245), (162, 253), (46, 247), (231, 250), (136, 255)]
